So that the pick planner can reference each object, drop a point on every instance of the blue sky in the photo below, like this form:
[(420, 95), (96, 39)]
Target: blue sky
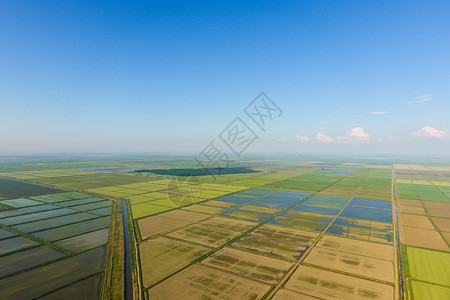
[(168, 76)]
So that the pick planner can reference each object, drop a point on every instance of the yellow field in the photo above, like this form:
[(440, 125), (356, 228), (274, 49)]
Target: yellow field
[(352, 263), (161, 257), (375, 250), (201, 282), (212, 232), (331, 285), (249, 265), (167, 222)]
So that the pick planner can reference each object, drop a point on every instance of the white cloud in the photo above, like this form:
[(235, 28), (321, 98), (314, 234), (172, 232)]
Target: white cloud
[(379, 112), (421, 99), (430, 132), (356, 136), (359, 134), (302, 138), (323, 138)]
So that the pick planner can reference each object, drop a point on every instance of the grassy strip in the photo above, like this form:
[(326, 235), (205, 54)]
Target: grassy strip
[(113, 282)]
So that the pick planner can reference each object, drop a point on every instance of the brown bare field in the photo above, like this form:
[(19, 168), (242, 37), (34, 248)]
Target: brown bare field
[(277, 241), (442, 224), (330, 285), (408, 202), (201, 282), (357, 247), (249, 265), (161, 257), (352, 263), (438, 205), (412, 210), (212, 232), (416, 221), (422, 238), (446, 236), (185, 216), (218, 203), (212, 210), (158, 224), (284, 294), (438, 212)]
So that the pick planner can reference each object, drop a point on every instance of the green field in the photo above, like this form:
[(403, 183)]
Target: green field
[(287, 230)]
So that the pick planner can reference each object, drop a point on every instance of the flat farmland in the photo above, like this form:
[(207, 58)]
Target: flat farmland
[(298, 230), (201, 282), (67, 245), (429, 265), (352, 263), (330, 285), (248, 265), (171, 255), (277, 241)]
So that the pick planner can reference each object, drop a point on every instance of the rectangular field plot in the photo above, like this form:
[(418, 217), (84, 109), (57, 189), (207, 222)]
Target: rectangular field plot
[(143, 210), (428, 265), (248, 265), (274, 198), (91, 206), (371, 203), (284, 294), (362, 229), (380, 215), (234, 199), (291, 195), (201, 282), (442, 224), (415, 221), (438, 209), (27, 210), (15, 243), (375, 250), (88, 288), (259, 192), (106, 211), (277, 241), (53, 222), (73, 229), (26, 259), (302, 220), (222, 204), (247, 215), (311, 182), (161, 257), (168, 222), (325, 201), (45, 279), (85, 241), (14, 189), (5, 234), (422, 238), (204, 209), (330, 285), (317, 210), (213, 232), (278, 205), (154, 225), (352, 263), (20, 202), (36, 216), (422, 290)]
